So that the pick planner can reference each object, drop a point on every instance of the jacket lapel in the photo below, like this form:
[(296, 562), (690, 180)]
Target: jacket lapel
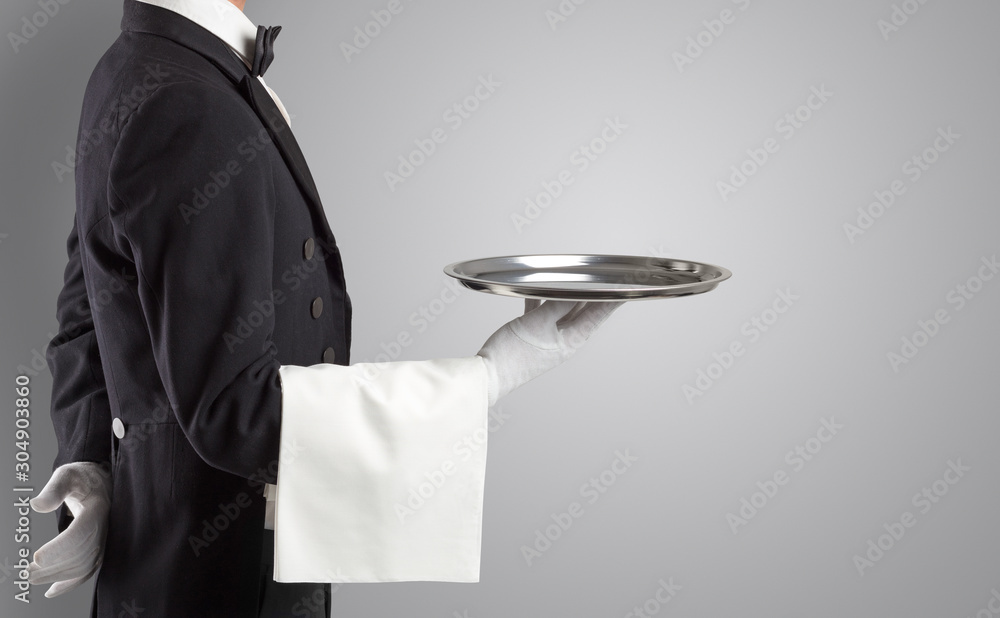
[(281, 134), (151, 19)]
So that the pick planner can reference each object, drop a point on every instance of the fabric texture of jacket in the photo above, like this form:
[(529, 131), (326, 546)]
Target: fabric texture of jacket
[(200, 261)]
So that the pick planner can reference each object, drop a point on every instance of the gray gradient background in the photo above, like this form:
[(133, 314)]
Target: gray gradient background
[(652, 192)]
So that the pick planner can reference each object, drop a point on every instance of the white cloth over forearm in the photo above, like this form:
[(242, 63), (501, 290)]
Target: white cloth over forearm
[(376, 481)]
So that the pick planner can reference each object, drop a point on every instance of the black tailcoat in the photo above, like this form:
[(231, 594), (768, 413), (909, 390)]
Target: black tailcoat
[(200, 261)]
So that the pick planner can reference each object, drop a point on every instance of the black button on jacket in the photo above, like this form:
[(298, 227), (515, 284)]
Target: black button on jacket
[(185, 291)]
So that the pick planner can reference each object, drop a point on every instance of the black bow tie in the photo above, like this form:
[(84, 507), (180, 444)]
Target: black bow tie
[(263, 51)]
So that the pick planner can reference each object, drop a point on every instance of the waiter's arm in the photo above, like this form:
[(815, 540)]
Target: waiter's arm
[(81, 414), (199, 273)]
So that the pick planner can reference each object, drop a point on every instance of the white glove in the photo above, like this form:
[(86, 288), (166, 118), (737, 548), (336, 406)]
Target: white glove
[(546, 335), (77, 552)]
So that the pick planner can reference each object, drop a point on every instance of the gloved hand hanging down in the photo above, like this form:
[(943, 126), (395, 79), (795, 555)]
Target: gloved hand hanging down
[(75, 554), (546, 335)]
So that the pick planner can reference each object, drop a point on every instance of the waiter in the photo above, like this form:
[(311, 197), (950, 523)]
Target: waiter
[(218, 455)]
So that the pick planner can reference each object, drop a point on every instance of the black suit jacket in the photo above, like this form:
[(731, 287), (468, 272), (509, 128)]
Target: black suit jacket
[(200, 261)]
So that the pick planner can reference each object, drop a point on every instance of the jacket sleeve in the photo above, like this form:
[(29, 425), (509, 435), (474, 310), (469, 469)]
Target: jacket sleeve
[(196, 217), (81, 413)]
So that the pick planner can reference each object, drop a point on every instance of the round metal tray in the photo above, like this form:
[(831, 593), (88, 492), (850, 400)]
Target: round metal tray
[(585, 277)]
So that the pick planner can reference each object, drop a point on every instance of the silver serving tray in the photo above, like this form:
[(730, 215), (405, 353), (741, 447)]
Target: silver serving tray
[(587, 277)]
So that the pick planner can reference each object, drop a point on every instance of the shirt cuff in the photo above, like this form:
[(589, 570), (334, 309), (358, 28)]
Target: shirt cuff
[(382, 471)]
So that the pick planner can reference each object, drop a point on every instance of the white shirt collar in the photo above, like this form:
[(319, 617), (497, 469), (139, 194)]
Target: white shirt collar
[(228, 23), (220, 18)]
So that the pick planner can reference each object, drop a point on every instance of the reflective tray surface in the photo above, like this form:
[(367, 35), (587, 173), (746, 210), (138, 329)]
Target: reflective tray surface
[(584, 277)]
